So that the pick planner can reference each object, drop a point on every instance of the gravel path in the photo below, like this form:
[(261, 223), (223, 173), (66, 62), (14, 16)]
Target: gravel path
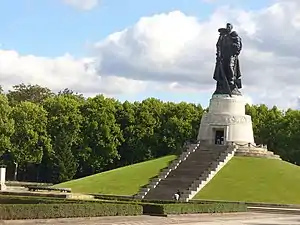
[(225, 219)]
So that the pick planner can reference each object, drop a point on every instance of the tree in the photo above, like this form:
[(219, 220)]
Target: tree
[(125, 116), (64, 122), (6, 125), (141, 136), (30, 139), (266, 125), (31, 93), (288, 136), (101, 134), (152, 128), (70, 136), (69, 92), (180, 123)]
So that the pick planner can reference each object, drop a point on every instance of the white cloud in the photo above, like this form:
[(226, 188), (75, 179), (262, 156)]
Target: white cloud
[(175, 52), (174, 48), (62, 72), (82, 4)]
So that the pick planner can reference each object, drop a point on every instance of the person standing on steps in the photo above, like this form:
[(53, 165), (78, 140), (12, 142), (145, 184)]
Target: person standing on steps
[(177, 195)]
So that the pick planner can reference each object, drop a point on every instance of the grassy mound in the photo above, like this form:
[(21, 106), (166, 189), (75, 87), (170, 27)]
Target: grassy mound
[(122, 181), (255, 180)]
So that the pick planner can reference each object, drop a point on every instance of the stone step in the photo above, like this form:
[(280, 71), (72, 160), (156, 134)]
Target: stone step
[(172, 166), (192, 171), (178, 180)]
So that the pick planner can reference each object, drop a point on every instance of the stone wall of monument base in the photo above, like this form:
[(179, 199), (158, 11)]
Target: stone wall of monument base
[(238, 128), (253, 151)]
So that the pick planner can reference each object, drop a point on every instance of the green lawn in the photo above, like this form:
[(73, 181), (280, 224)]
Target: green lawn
[(255, 180), (122, 181)]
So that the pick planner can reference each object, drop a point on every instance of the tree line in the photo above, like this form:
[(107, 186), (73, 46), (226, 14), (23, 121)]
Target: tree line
[(55, 137)]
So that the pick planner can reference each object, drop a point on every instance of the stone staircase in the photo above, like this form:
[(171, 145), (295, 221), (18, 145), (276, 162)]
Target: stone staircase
[(211, 171), (165, 172), (191, 173)]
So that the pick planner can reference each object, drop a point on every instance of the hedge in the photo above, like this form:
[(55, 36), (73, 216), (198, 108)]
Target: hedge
[(114, 197), (11, 199), (33, 200), (169, 202), (48, 211), (189, 208)]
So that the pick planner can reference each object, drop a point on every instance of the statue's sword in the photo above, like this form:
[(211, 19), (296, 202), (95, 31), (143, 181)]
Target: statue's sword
[(225, 78)]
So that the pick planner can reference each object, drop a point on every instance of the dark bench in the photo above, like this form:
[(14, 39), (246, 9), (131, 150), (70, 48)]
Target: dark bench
[(44, 188)]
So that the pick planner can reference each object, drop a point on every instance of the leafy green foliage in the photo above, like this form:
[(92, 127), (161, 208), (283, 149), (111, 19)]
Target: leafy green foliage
[(30, 139), (48, 211), (31, 93), (17, 207), (180, 122), (101, 134), (64, 123), (6, 125), (13, 199), (87, 136), (188, 208)]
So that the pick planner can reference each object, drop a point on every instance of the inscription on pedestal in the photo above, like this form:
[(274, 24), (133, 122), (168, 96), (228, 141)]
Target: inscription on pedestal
[(225, 119)]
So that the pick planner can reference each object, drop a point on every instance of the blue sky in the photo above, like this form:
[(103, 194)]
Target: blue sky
[(51, 28)]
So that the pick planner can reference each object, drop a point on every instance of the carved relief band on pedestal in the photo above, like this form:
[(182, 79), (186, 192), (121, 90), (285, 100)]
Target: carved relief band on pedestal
[(220, 119), (228, 100)]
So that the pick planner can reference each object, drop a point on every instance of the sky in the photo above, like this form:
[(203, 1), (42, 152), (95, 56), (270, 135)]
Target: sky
[(132, 50)]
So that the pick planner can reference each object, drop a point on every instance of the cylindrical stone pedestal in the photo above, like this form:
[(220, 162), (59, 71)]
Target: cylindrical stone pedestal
[(226, 121)]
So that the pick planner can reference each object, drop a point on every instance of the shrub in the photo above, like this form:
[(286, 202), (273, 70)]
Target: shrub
[(47, 211), (190, 208), (12, 199), (114, 197), (169, 201), (31, 200)]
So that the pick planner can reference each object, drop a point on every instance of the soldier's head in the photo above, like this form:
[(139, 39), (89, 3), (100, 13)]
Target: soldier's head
[(229, 27)]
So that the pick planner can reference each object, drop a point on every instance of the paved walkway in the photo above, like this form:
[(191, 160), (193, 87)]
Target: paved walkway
[(226, 219)]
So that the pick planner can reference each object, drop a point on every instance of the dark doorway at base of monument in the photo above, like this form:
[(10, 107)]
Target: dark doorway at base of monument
[(219, 137)]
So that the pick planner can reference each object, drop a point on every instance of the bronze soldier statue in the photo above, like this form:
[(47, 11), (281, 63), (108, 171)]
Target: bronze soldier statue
[(227, 71)]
